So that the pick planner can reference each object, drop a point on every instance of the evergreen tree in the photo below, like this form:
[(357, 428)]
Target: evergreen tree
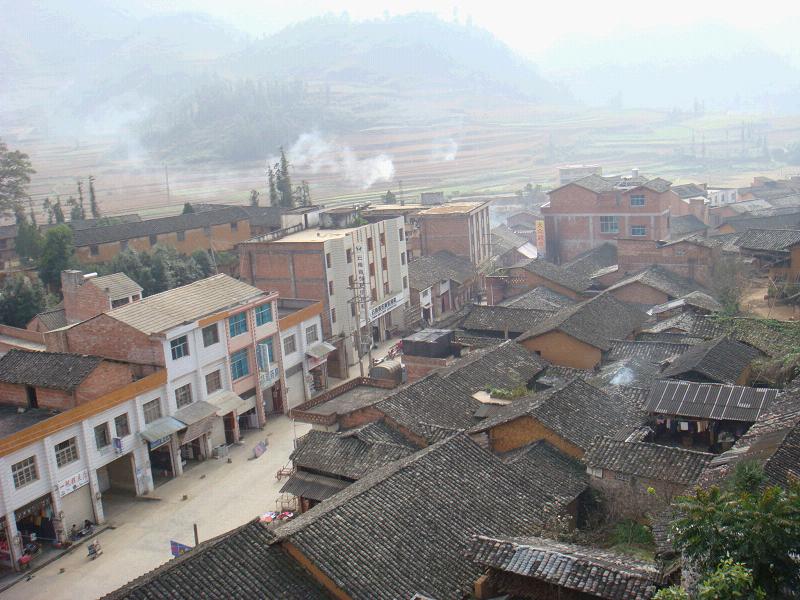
[(29, 240), (203, 262), (187, 208), (284, 182), (273, 190), (74, 210), (48, 209), (389, 197), (93, 205), (80, 200), (58, 212), (254, 197), (57, 253), (20, 300)]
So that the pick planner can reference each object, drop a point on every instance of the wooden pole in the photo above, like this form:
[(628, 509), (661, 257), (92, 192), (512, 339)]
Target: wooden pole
[(196, 538)]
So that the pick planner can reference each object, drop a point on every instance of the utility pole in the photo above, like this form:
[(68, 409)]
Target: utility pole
[(402, 200), (166, 177)]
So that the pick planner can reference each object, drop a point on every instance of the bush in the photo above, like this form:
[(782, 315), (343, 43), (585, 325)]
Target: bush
[(630, 532)]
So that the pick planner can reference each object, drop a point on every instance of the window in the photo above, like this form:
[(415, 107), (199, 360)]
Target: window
[(261, 352), (372, 268), (595, 472), (153, 240), (369, 243), (24, 472), (349, 256), (638, 230), (405, 283), (328, 261), (135, 297), (374, 294), (123, 245), (330, 288), (609, 225), (385, 288), (235, 226), (311, 334), (121, 425), (637, 200), (289, 345), (384, 264), (263, 314), (239, 365), (238, 324), (179, 347), (213, 382), (210, 335), (120, 302), (101, 436), (66, 452), (94, 250), (183, 395), (680, 251), (401, 233), (402, 258), (382, 238), (181, 236), (351, 282), (151, 410), (333, 315), (352, 309)]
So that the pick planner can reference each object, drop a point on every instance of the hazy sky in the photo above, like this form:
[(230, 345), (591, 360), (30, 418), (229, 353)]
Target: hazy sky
[(528, 29)]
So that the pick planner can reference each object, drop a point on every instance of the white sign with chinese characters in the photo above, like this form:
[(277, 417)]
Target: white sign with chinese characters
[(386, 306), (70, 484)]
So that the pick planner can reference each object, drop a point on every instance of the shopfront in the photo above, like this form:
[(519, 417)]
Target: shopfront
[(195, 440), (317, 357), (37, 524), (6, 560), (162, 448), (76, 500), (228, 405)]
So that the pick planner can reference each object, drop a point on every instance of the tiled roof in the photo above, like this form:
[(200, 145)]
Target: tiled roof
[(672, 338), (539, 298), (505, 366), (742, 223), (425, 271), (685, 224), (702, 300), (688, 322), (116, 285), (630, 372), (709, 400), (655, 352), (689, 190), (476, 341), (590, 263), (53, 370), (237, 564), (650, 461), (661, 279), (596, 321), (138, 229), (501, 319), (769, 240), (313, 486), (591, 571), (554, 273), (352, 453), (504, 240), (577, 412), (160, 312), (53, 319), (405, 529), (549, 470), (722, 360)]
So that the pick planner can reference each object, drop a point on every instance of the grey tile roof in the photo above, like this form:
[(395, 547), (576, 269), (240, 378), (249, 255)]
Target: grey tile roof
[(687, 322), (53, 319), (661, 279), (552, 272), (406, 528), (684, 225), (313, 486), (237, 564), (502, 319), (138, 229), (160, 312), (425, 271), (689, 190), (116, 285), (588, 264), (53, 370), (594, 572), (539, 298), (655, 352), (769, 240), (742, 223), (505, 366), (630, 372), (650, 461), (476, 341), (596, 321), (702, 300), (350, 454), (722, 360), (504, 240), (549, 470), (672, 338), (709, 400), (577, 412)]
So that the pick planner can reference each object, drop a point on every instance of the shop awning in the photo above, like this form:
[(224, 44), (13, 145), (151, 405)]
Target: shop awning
[(226, 401), (199, 417), (313, 486), (161, 428), (320, 350)]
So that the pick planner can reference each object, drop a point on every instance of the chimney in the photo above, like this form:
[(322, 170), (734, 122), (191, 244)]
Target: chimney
[(71, 282), (635, 172)]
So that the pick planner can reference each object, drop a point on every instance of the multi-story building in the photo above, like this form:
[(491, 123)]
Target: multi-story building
[(461, 228), (217, 339), (589, 211), (338, 265)]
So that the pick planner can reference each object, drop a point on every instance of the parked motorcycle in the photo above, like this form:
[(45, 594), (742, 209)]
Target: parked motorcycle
[(94, 550)]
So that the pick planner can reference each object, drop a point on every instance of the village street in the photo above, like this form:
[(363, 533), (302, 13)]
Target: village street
[(220, 496)]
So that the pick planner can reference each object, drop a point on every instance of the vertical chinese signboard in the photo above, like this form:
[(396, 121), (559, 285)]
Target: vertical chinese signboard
[(540, 239)]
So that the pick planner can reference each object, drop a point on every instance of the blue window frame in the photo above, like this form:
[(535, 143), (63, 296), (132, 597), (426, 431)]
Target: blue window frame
[(238, 324), (637, 200), (264, 314), (239, 364), (270, 355), (638, 230)]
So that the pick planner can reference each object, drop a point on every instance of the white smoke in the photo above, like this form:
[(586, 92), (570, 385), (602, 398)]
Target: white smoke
[(320, 155), (444, 150)]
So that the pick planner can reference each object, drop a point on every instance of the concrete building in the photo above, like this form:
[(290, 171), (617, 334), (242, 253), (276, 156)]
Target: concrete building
[(330, 265), (587, 212), (217, 339), (462, 228)]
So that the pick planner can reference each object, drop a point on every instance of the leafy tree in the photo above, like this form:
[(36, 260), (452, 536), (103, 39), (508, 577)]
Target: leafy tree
[(187, 208), (20, 300), (161, 269), (58, 212), (48, 209), (730, 580), (273, 189), (302, 194), (284, 182), (759, 529), (389, 197), (75, 212), (728, 283), (15, 175), (254, 197), (203, 262), (57, 253), (93, 205), (29, 239)]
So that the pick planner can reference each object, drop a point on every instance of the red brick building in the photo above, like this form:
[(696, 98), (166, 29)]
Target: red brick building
[(585, 213), (461, 228), (691, 257)]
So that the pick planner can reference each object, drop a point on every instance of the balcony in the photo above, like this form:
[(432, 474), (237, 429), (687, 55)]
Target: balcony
[(267, 377)]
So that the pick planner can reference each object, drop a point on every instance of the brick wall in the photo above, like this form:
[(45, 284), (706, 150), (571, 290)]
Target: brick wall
[(561, 349), (17, 395), (638, 293), (526, 430), (684, 258), (630, 498), (106, 378), (418, 367), (84, 301)]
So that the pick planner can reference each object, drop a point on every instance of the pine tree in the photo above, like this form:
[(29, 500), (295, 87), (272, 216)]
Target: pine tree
[(389, 197), (285, 182), (254, 197), (273, 190), (58, 212), (81, 209), (187, 208), (75, 209), (48, 209), (93, 205)]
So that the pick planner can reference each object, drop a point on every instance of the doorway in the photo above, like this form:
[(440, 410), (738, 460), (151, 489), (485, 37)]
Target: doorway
[(33, 401)]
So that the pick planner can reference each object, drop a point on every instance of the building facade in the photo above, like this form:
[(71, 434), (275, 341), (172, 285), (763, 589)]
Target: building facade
[(462, 228)]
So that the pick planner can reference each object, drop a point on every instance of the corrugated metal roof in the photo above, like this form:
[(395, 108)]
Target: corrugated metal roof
[(312, 486), (162, 312), (195, 412), (161, 428), (225, 401), (709, 400)]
